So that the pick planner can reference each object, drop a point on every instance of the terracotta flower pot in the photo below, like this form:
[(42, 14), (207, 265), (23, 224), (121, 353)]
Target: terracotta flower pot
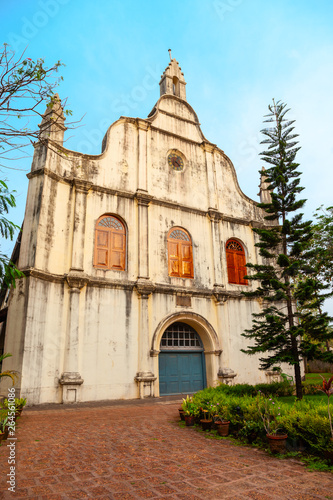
[(189, 420), (206, 424), (277, 443), (222, 428)]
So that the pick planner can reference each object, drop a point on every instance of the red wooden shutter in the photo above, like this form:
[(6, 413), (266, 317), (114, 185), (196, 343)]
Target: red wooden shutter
[(102, 248), (117, 250), (187, 260), (231, 266), (173, 251), (241, 268), (110, 243)]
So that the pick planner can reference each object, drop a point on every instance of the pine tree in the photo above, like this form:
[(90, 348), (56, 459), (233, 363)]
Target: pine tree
[(285, 275)]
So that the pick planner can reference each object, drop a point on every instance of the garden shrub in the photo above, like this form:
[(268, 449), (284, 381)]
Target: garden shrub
[(273, 389), (310, 389), (305, 422)]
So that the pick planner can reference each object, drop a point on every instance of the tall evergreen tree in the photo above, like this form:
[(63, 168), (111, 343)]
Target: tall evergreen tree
[(277, 331)]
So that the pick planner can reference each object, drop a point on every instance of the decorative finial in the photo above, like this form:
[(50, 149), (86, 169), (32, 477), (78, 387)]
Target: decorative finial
[(170, 54)]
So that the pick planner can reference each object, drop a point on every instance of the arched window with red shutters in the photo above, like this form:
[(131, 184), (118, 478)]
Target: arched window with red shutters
[(180, 256), (110, 243), (236, 263)]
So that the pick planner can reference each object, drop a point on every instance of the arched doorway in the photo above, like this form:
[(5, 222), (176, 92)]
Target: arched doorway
[(182, 367)]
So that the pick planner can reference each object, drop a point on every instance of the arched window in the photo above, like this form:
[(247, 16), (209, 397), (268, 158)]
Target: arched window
[(110, 243), (180, 253), (175, 86), (180, 336), (236, 262)]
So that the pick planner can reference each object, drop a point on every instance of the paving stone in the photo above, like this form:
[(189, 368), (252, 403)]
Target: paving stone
[(139, 451)]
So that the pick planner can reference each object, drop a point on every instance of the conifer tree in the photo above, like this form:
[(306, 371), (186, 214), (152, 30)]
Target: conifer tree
[(284, 243)]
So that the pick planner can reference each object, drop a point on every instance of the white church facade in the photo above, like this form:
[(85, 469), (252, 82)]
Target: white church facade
[(134, 263)]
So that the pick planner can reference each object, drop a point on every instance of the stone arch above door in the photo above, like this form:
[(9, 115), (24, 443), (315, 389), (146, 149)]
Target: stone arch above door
[(204, 329)]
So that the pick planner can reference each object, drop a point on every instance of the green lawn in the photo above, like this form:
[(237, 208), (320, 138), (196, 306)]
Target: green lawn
[(290, 400), (310, 379), (315, 378)]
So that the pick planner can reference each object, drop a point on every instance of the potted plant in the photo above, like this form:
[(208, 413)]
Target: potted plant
[(16, 406), (3, 425), (221, 418), (20, 404), (269, 413), (190, 410), (206, 420)]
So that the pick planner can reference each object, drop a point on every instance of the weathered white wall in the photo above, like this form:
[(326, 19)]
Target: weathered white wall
[(68, 316)]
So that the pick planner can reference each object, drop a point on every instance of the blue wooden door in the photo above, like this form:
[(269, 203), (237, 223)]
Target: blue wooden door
[(181, 372)]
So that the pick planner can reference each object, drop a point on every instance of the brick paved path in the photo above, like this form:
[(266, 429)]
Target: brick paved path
[(138, 451)]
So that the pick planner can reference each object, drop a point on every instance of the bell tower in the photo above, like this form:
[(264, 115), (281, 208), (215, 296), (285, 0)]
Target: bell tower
[(172, 81)]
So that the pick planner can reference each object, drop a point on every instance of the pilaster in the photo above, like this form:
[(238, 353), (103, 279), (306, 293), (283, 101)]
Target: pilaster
[(143, 128), (215, 217), (143, 200), (71, 380), (81, 191), (211, 174), (144, 377)]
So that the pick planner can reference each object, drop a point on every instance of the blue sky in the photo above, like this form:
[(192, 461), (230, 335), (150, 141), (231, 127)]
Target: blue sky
[(236, 56)]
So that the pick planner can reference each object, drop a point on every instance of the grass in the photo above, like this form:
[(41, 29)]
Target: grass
[(315, 378), (316, 398)]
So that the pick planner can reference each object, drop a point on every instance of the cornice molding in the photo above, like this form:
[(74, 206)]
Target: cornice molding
[(144, 198), (143, 287), (81, 185), (209, 147), (214, 214)]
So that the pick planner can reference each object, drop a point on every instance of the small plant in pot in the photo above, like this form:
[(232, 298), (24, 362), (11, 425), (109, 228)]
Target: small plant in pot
[(190, 410), (221, 418), (206, 414), (20, 404), (269, 412), (3, 425)]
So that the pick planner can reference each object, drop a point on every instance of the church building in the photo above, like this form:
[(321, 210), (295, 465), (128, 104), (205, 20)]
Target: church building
[(134, 262)]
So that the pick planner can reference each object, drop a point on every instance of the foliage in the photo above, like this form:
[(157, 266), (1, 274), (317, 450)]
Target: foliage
[(252, 429), (306, 422), (275, 388), (270, 414), (284, 244), (3, 420), (189, 407), (20, 402), (8, 373), (25, 85), (309, 389), (220, 412), (8, 270), (327, 388), (322, 244)]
